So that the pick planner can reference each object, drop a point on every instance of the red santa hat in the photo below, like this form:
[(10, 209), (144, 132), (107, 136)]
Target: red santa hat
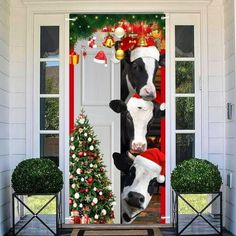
[(154, 160), (101, 58), (151, 52)]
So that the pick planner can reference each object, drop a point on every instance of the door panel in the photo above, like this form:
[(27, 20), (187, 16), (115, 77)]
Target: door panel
[(95, 86)]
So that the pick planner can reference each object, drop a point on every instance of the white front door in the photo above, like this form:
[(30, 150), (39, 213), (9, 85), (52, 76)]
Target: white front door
[(95, 86)]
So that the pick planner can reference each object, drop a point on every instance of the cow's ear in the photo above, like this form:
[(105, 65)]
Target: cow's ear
[(159, 110), (153, 186), (162, 60), (122, 162), (118, 106)]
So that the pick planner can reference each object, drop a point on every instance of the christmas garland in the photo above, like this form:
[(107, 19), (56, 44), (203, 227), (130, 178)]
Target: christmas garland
[(83, 26)]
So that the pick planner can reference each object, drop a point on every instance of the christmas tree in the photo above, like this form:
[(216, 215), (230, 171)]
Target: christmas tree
[(91, 199)]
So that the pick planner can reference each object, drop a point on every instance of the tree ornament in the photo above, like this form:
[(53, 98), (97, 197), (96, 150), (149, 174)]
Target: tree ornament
[(80, 130), (110, 194), (91, 148), (81, 153), (95, 154), (74, 58), (73, 186), (76, 195), (109, 41), (101, 58), (73, 156), (91, 165), (119, 32), (85, 134), (72, 139), (81, 121), (87, 198), (120, 54), (95, 200), (96, 216), (75, 205), (95, 189), (102, 222), (86, 190), (89, 139), (82, 179), (85, 154), (100, 193), (90, 180), (80, 205), (78, 171), (70, 201), (72, 147), (104, 212)]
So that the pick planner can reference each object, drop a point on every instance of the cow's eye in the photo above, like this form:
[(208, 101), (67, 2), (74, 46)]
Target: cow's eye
[(140, 108)]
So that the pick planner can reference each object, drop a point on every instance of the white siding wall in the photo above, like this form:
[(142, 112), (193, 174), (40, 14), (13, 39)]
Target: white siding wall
[(4, 117), (230, 138), (17, 82), (216, 85)]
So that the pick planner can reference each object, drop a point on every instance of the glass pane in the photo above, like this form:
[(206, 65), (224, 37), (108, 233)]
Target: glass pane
[(49, 41), (49, 77), (184, 72), (184, 41), (49, 147), (185, 147), (185, 113), (49, 113)]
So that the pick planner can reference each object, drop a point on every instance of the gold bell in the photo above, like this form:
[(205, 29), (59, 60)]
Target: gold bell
[(142, 42), (120, 54), (109, 42)]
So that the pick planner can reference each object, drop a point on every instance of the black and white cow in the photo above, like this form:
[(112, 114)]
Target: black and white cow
[(139, 69), (136, 116), (140, 182)]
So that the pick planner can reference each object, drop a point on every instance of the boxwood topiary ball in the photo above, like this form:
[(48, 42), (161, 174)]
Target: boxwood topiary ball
[(196, 176), (37, 176)]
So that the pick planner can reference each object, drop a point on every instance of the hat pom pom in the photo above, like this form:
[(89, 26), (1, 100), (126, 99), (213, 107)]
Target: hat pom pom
[(161, 179)]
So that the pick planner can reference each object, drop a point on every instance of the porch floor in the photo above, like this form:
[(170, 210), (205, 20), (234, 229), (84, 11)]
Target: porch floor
[(37, 229)]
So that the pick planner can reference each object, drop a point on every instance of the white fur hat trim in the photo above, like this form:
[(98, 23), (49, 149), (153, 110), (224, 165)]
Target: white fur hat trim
[(151, 51)]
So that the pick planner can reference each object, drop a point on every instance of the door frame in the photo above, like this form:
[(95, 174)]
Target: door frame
[(49, 7)]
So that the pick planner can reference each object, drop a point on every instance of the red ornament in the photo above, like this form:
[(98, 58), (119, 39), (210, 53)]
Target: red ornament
[(102, 221), (101, 197), (81, 154), (70, 201), (112, 215), (86, 190), (110, 194), (90, 180), (95, 154)]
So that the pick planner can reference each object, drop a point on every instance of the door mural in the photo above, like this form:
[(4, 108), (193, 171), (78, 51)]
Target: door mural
[(117, 71)]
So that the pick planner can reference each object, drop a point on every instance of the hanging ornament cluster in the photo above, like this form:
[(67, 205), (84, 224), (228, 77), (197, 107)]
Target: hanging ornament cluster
[(125, 36)]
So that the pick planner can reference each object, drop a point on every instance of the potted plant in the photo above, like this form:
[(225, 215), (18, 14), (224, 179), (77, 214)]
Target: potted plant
[(37, 176), (197, 198)]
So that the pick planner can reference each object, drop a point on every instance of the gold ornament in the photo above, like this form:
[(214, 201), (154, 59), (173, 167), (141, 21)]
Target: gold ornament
[(142, 42), (120, 54), (156, 34), (109, 41)]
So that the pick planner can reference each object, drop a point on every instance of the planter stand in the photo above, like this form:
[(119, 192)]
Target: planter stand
[(200, 222), (56, 196)]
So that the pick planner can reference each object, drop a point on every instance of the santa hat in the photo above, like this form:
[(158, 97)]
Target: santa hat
[(151, 52), (101, 58), (154, 160)]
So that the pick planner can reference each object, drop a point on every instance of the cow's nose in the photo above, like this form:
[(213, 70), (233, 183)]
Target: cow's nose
[(138, 146), (135, 199)]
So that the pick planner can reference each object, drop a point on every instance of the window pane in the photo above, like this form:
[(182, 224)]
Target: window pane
[(49, 77), (185, 113), (49, 41), (185, 147), (49, 113), (184, 41), (184, 72), (49, 147)]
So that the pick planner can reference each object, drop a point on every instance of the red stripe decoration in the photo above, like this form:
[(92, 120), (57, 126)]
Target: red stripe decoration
[(71, 98), (163, 141)]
